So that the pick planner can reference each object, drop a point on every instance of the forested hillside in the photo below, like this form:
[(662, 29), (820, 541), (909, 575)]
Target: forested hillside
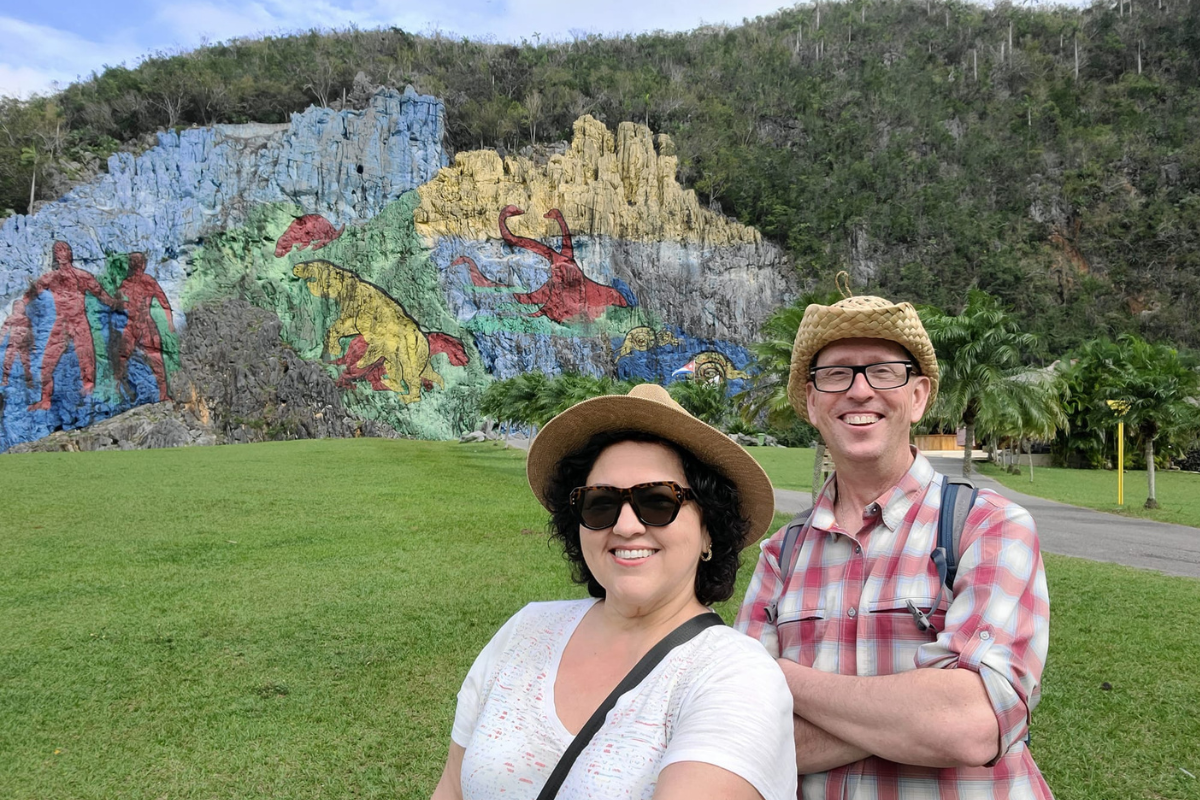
[(1046, 155)]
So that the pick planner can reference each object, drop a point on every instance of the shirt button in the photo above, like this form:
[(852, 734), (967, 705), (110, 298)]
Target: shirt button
[(858, 548), (985, 635), (852, 612)]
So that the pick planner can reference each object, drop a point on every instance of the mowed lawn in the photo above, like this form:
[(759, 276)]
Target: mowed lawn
[(1178, 493), (789, 467), (294, 619)]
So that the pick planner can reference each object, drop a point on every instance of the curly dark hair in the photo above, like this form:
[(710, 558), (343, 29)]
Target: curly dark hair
[(716, 495)]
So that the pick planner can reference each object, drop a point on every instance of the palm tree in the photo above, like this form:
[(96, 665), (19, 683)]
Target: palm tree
[(766, 390), (979, 358), (1157, 385), (1025, 406)]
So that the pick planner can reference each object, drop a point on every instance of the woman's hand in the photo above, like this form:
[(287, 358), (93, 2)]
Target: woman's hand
[(449, 786)]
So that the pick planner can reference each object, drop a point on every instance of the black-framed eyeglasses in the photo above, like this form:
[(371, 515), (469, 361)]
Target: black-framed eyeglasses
[(880, 375), (655, 504)]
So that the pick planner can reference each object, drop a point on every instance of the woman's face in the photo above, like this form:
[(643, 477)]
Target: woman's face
[(644, 568)]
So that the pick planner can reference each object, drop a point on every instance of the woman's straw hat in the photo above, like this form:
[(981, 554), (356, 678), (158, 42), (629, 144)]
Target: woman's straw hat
[(649, 409), (862, 317)]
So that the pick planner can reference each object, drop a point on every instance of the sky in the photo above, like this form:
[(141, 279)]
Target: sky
[(49, 42)]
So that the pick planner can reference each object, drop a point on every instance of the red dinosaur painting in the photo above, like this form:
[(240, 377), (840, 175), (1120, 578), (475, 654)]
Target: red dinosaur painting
[(310, 229), (568, 293), (477, 277)]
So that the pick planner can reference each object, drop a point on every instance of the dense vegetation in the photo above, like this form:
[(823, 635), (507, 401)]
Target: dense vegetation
[(1045, 155)]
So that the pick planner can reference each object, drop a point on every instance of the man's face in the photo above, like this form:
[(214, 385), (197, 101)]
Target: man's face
[(863, 424)]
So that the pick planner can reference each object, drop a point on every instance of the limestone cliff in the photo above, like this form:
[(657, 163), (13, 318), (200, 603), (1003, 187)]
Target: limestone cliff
[(400, 305), (622, 186)]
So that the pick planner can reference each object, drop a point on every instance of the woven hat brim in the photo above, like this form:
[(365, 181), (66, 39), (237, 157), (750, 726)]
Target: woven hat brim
[(573, 428), (823, 325)]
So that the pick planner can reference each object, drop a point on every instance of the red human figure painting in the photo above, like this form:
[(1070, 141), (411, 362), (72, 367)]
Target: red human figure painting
[(139, 291), (568, 293), (20, 342), (68, 285)]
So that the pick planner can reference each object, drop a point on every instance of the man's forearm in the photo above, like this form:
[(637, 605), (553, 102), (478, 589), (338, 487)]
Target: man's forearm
[(818, 750), (927, 717)]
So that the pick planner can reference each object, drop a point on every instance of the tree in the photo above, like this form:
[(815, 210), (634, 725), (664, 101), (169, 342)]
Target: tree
[(707, 402), (1029, 408), (979, 358), (1159, 387), (765, 395)]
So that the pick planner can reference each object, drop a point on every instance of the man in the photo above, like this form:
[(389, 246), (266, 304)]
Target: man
[(883, 708), (69, 286), (137, 292)]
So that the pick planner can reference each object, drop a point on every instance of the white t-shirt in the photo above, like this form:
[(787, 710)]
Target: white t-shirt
[(718, 699)]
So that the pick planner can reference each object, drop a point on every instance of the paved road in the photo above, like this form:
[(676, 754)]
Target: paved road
[(1081, 532), (1070, 530)]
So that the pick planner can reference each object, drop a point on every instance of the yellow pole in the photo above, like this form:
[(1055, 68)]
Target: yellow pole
[(1121, 463), (1121, 408)]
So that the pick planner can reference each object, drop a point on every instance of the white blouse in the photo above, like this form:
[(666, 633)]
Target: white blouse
[(718, 699)]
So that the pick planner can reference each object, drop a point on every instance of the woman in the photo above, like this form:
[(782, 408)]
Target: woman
[(651, 507)]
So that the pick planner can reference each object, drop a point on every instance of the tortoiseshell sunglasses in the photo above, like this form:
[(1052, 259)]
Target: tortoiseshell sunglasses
[(655, 504)]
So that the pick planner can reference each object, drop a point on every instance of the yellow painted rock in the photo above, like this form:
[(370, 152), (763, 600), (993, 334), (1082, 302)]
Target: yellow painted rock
[(622, 186)]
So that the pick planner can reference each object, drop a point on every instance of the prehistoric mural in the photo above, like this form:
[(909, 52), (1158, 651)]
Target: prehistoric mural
[(412, 282), (78, 348)]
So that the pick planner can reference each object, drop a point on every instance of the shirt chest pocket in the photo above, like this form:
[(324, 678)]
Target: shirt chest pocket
[(801, 631), (891, 628)]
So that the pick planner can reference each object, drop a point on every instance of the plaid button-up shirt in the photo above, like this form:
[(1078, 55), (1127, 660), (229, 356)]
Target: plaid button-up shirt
[(844, 609)]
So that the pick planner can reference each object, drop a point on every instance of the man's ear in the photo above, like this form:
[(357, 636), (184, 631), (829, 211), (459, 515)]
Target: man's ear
[(809, 391), (920, 396)]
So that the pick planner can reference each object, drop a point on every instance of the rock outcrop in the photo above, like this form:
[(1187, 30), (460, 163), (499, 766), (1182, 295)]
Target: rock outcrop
[(147, 427), (623, 187), (239, 377)]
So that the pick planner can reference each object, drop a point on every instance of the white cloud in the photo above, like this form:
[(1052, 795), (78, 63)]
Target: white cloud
[(24, 81), (35, 56)]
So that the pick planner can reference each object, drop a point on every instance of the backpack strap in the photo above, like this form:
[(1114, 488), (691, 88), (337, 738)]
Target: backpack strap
[(787, 557), (952, 519)]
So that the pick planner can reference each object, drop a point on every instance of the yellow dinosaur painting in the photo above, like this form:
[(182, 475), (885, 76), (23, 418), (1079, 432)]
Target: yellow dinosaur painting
[(387, 347)]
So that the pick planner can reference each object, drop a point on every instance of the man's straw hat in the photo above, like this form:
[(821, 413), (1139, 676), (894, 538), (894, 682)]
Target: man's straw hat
[(649, 409), (862, 317)]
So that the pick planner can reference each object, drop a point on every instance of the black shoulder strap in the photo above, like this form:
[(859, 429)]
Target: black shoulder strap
[(636, 675), (787, 558), (952, 519), (787, 550)]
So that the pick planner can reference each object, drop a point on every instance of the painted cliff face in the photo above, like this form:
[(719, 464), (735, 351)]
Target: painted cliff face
[(413, 281), (79, 347)]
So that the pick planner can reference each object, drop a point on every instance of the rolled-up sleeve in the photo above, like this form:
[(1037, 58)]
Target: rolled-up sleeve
[(753, 618), (998, 624)]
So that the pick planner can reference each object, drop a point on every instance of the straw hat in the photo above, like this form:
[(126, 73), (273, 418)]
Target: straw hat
[(862, 317), (648, 408)]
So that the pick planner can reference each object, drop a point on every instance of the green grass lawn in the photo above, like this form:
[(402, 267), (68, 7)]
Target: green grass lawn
[(294, 620), (788, 467), (1178, 492)]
